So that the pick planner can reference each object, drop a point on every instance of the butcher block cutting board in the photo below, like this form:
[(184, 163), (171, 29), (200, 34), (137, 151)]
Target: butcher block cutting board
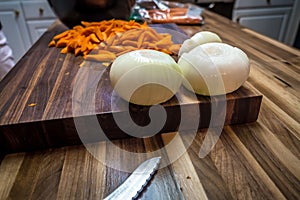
[(47, 99)]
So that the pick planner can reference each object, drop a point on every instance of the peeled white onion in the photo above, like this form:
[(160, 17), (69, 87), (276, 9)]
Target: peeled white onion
[(199, 38), (145, 77), (214, 69)]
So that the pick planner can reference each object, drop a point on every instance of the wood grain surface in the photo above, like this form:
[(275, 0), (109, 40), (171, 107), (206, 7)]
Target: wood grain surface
[(46, 90), (258, 160)]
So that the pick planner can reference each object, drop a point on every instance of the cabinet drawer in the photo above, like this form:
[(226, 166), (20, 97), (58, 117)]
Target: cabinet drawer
[(262, 3), (37, 10)]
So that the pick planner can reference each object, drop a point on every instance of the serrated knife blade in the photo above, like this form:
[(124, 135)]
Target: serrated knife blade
[(136, 182)]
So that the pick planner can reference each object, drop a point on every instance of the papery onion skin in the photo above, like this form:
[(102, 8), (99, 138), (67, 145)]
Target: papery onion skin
[(206, 63), (145, 77), (199, 38)]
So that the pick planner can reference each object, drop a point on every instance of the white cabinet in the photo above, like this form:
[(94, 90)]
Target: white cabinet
[(39, 17), (268, 21), (37, 28), (24, 21), (262, 3), (268, 17), (14, 27)]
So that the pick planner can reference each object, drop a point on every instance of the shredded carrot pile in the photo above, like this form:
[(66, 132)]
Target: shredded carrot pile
[(83, 38), (105, 40), (145, 38)]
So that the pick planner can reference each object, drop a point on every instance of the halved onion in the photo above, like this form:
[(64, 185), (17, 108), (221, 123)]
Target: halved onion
[(145, 77), (214, 68), (199, 38)]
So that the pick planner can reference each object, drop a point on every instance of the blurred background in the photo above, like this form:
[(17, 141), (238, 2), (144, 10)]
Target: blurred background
[(24, 21)]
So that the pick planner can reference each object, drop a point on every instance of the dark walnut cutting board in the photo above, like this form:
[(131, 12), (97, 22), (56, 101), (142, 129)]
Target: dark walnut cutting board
[(46, 91)]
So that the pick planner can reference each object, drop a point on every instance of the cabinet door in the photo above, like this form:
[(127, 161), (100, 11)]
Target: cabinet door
[(246, 4), (271, 22), (37, 28), (14, 27)]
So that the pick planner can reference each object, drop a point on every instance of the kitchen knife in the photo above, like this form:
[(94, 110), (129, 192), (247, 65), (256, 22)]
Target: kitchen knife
[(136, 182)]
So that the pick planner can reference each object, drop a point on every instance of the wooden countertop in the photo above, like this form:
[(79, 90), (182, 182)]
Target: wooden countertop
[(258, 160)]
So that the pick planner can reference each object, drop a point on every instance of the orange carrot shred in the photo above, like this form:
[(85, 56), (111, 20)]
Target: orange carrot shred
[(117, 36)]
